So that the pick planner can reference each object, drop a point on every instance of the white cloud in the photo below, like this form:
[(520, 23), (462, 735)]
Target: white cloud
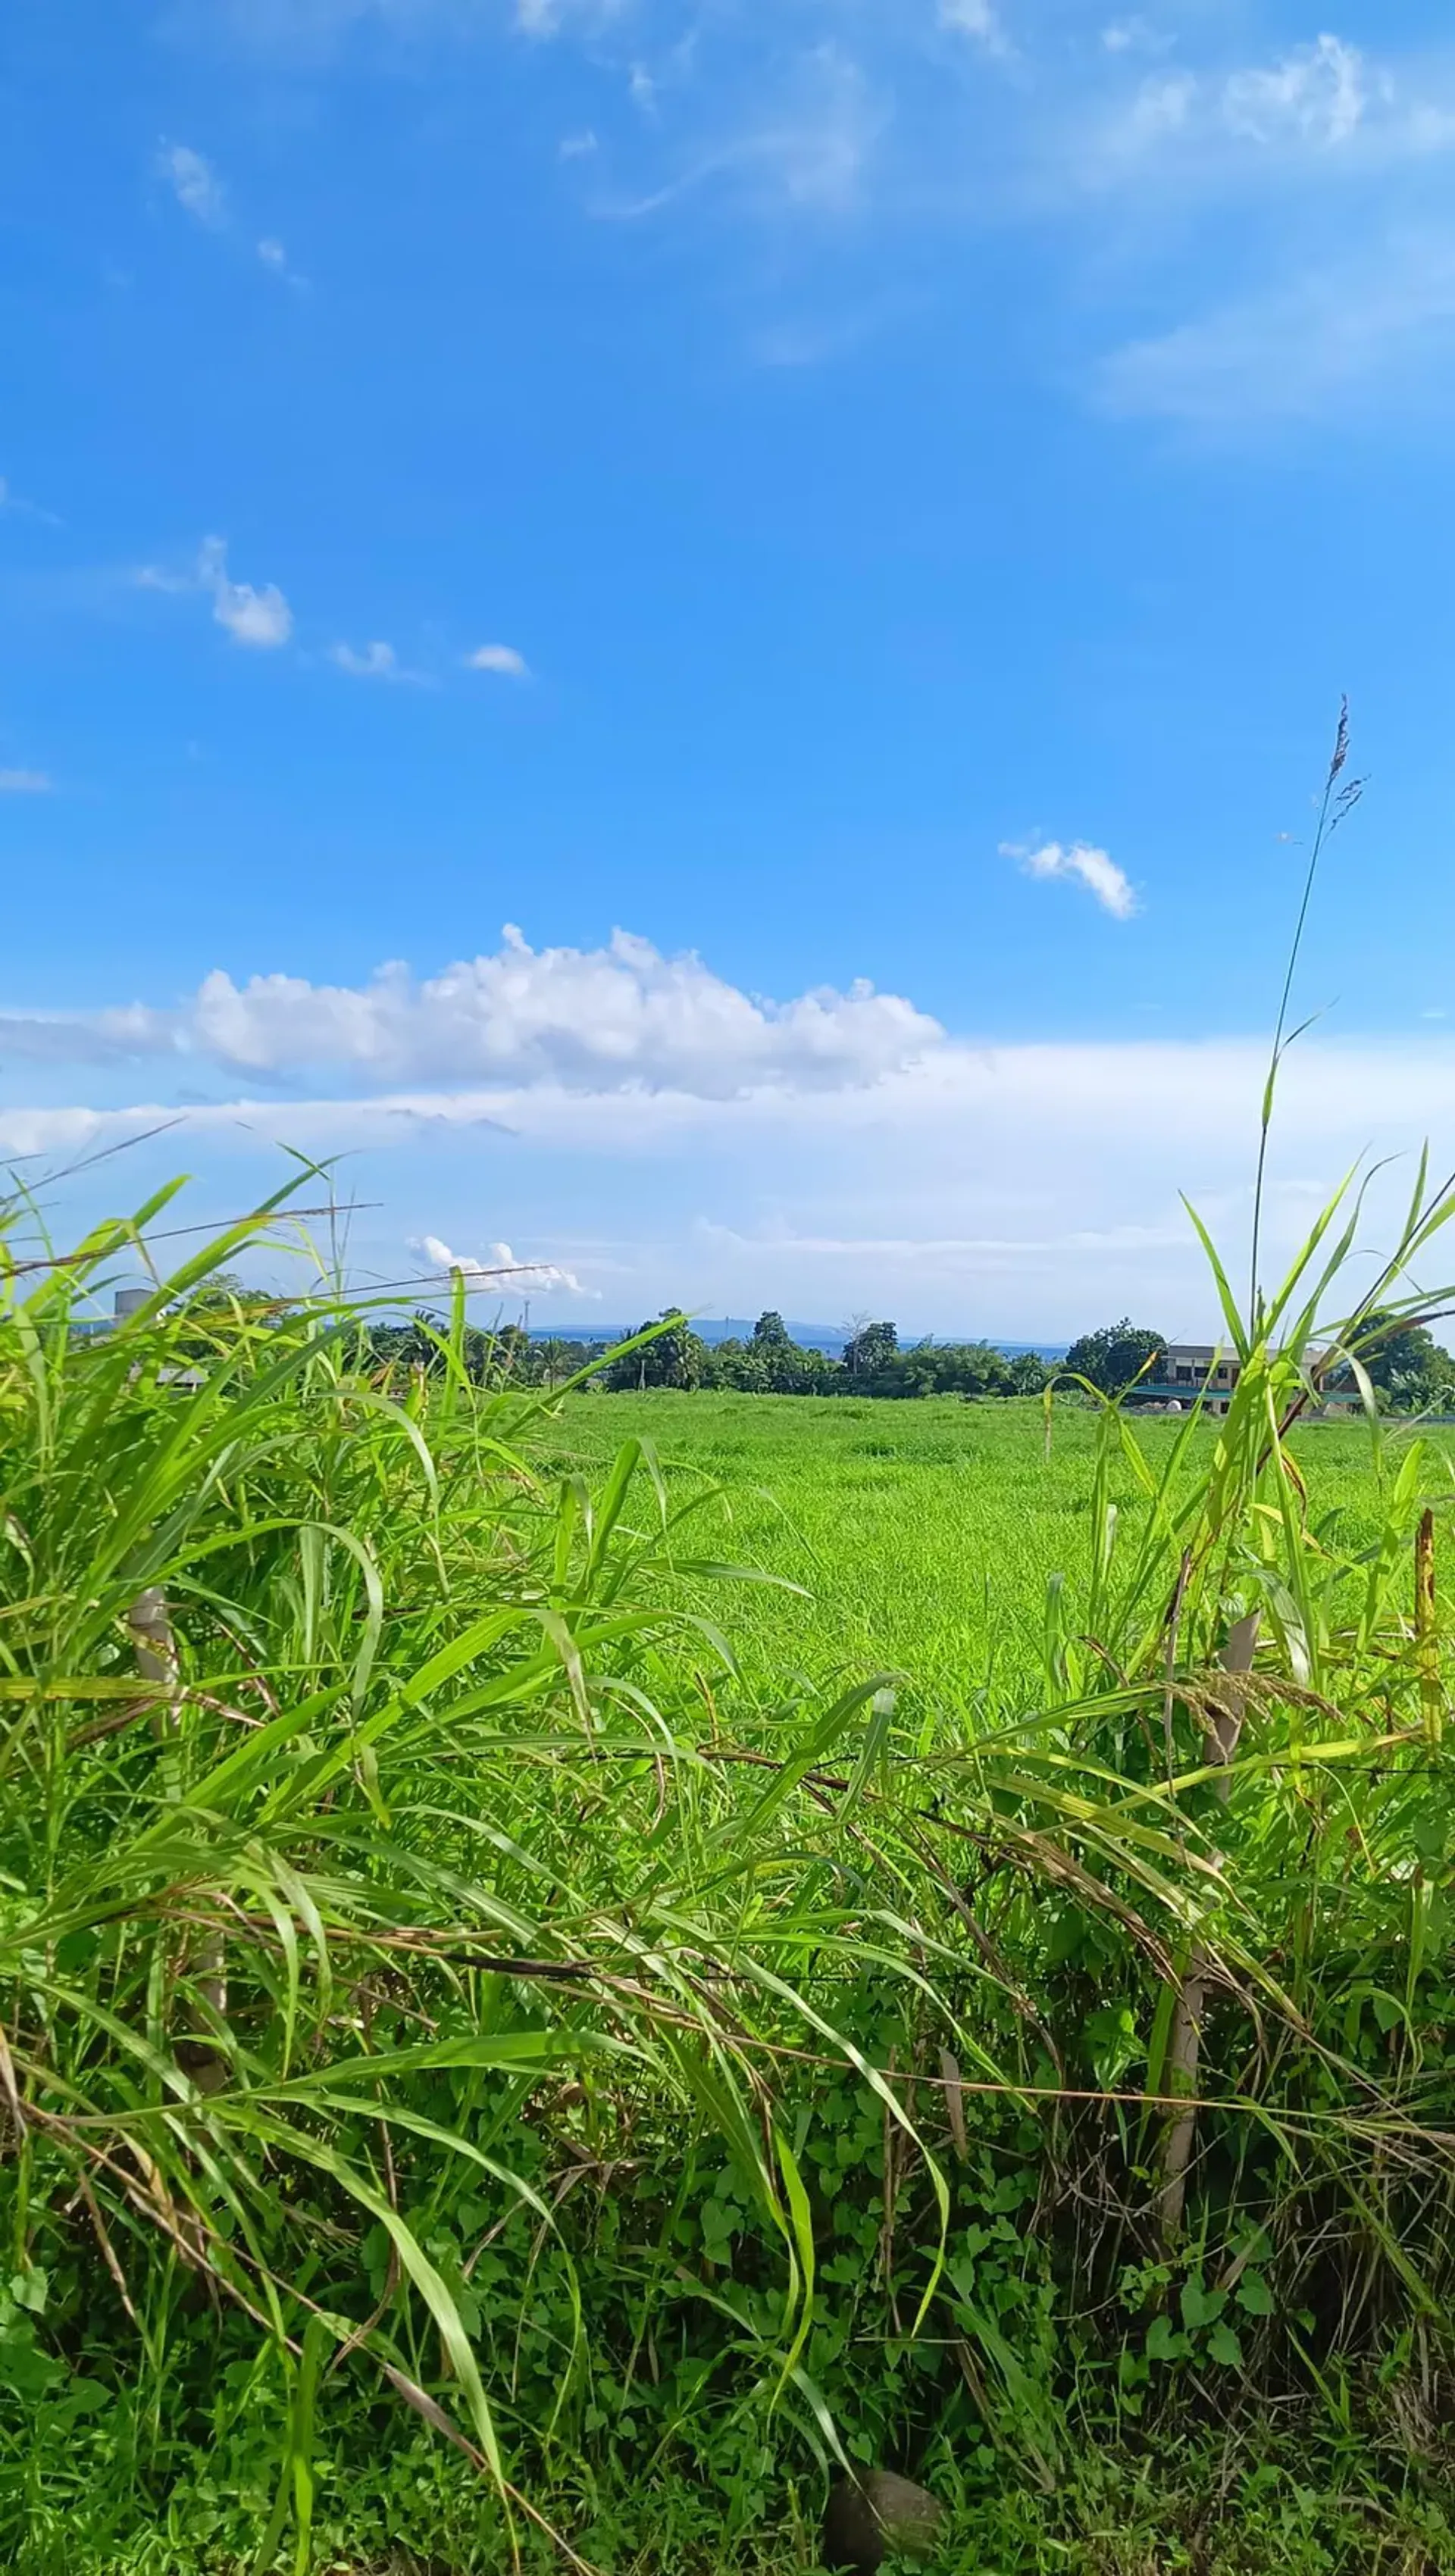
[(977, 18), (97, 1037), (271, 252), (194, 183), (502, 659), (1324, 115), (618, 1018), (376, 662), (24, 782), (261, 619), (803, 142), (548, 17), (1083, 865), (500, 1270), (814, 150), (1296, 349), (1162, 106), (577, 147), (1028, 1189), (13, 505), (1317, 92)]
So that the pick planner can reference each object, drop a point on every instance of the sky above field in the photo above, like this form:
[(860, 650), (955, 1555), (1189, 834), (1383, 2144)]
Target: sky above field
[(699, 635)]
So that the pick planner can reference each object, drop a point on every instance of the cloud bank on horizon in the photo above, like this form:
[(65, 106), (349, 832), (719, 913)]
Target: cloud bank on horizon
[(816, 1152)]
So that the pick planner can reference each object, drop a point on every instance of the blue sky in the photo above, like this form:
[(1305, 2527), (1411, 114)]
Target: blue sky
[(764, 500)]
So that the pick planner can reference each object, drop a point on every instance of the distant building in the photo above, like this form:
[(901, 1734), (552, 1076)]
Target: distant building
[(1193, 1369), (126, 1303), (1191, 1365)]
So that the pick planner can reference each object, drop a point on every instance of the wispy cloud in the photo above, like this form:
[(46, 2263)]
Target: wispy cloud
[(1319, 91), (260, 619), (801, 144), (1325, 114), (375, 662), (274, 257), (14, 505), (202, 193), (552, 17), (24, 782), (812, 148), (978, 18), (1079, 864), (1136, 36), (194, 183), (1132, 135), (1352, 327), (501, 659)]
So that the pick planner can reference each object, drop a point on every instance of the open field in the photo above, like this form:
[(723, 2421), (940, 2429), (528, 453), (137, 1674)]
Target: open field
[(926, 1533)]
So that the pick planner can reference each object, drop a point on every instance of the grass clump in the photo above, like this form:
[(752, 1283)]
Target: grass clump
[(478, 2058)]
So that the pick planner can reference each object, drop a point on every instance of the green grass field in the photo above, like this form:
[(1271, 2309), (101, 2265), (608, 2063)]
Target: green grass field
[(924, 1533)]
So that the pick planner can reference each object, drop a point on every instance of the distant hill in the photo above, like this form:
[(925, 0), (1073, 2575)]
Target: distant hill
[(811, 1337)]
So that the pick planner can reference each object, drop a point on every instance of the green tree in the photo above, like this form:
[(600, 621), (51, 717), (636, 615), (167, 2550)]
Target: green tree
[(1404, 1362), (1116, 1355), (783, 1366), (735, 1366), (868, 1351), (216, 1309), (1028, 1373), (676, 1357), (944, 1368)]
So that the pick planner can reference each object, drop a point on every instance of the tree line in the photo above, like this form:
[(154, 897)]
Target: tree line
[(1404, 1365), (1406, 1368), (770, 1362)]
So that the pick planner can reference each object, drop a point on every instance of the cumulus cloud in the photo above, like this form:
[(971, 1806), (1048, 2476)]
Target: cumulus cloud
[(500, 1270), (1082, 865), (24, 782), (260, 619), (194, 183), (607, 1019), (502, 659)]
